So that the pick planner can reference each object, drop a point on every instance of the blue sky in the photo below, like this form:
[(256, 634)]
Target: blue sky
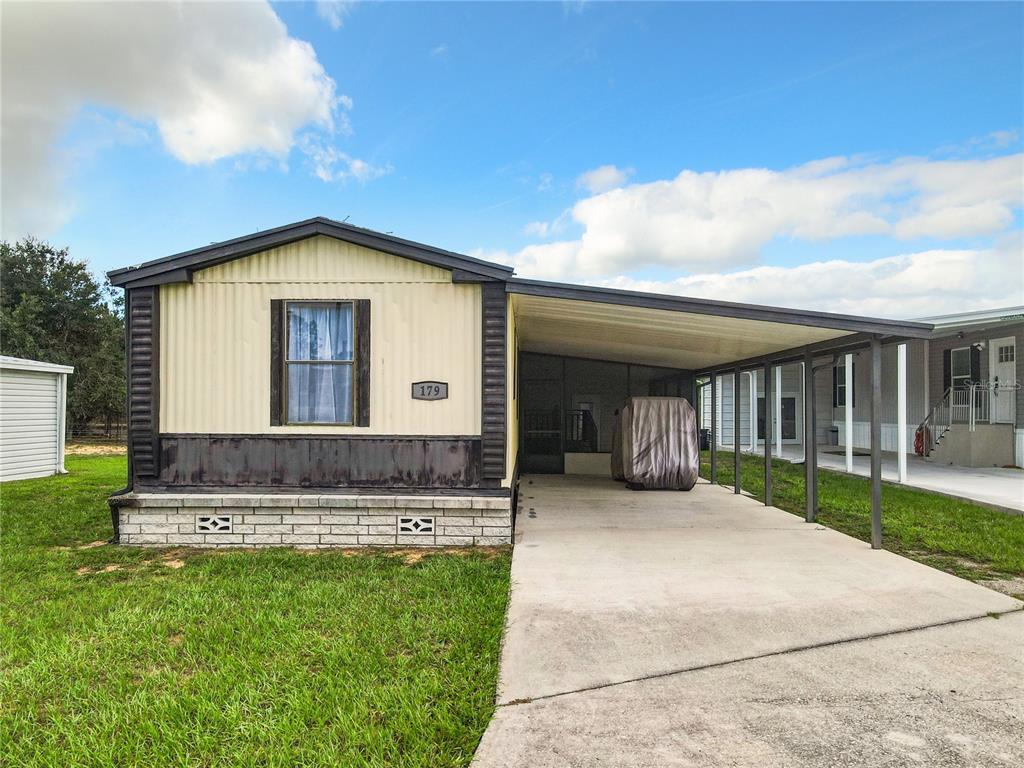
[(473, 126)]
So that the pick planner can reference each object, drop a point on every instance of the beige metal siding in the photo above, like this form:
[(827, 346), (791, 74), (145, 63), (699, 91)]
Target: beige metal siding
[(215, 340), (29, 424)]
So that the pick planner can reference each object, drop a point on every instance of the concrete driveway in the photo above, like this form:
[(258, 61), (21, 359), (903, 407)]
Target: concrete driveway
[(704, 629)]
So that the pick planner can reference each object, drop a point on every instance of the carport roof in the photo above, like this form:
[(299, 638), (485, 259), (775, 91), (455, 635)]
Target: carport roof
[(697, 334)]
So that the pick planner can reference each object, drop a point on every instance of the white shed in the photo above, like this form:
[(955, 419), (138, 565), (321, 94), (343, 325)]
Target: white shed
[(33, 408)]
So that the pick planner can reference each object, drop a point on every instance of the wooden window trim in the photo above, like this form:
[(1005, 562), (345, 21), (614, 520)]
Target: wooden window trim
[(354, 363)]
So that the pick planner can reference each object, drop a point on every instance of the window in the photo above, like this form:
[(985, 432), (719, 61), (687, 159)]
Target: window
[(960, 367), (788, 418), (839, 385), (1005, 354), (320, 362)]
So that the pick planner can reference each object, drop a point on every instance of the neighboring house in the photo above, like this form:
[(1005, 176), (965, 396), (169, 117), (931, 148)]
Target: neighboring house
[(320, 384), (33, 413), (963, 386), (972, 373)]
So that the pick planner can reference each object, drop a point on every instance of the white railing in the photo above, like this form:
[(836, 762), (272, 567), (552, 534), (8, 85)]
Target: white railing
[(968, 404), (980, 400)]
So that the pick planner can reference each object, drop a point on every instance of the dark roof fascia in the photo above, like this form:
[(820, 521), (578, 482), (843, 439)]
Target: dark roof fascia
[(179, 267), (669, 303), (173, 276), (835, 347), (999, 324)]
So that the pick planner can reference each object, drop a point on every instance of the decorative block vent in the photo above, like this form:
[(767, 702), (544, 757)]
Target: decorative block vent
[(213, 524), (415, 525)]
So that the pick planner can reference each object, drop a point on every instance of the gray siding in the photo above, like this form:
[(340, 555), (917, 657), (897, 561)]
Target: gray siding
[(939, 346), (792, 386), (917, 403)]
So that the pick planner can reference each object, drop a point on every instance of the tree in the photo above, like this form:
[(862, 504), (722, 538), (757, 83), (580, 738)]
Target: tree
[(52, 309)]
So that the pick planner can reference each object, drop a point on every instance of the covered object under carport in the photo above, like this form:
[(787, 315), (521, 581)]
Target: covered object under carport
[(692, 341)]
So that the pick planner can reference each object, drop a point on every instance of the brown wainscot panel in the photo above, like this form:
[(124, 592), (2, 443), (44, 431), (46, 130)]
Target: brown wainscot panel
[(319, 461)]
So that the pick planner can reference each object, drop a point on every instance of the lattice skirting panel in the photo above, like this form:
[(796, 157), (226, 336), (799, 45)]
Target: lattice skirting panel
[(311, 520)]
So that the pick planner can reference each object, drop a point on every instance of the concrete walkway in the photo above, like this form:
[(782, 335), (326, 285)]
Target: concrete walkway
[(998, 486), (704, 629)]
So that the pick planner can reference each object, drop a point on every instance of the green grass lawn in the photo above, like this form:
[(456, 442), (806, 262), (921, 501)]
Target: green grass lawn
[(967, 539), (114, 656)]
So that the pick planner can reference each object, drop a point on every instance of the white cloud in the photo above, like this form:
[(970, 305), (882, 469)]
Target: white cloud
[(546, 229), (334, 12), (544, 182), (216, 79), (440, 51), (537, 229), (329, 163), (709, 221), (909, 285), (991, 142), (603, 178)]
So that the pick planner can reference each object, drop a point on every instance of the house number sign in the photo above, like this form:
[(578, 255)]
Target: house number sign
[(430, 390)]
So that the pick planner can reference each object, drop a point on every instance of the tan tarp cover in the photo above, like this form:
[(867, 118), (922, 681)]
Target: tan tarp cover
[(656, 444)]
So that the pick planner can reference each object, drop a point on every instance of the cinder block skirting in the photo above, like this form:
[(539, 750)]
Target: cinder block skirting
[(311, 520)]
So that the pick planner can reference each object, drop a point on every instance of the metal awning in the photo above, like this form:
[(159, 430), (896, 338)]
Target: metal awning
[(677, 332)]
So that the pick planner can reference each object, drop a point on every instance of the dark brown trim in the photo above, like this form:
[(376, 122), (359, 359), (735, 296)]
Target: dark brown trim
[(721, 308), (276, 362), (118, 499), (179, 267), (363, 363), (279, 362), (174, 276), (312, 434), (319, 461), (143, 355), (493, 427), (128, 378), (462, 276)]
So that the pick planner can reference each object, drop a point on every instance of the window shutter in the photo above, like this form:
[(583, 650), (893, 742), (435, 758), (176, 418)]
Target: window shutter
[(143, 325), (975, 365), (276, 362), (947, 368), (835, 386), (493, 357), (363, 360)]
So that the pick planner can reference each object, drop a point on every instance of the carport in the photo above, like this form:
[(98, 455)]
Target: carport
[(577, 352)]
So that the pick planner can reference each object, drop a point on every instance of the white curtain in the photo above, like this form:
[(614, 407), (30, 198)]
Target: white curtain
[(320, 393)]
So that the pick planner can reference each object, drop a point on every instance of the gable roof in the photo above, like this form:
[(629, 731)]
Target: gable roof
[(179, 267)]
